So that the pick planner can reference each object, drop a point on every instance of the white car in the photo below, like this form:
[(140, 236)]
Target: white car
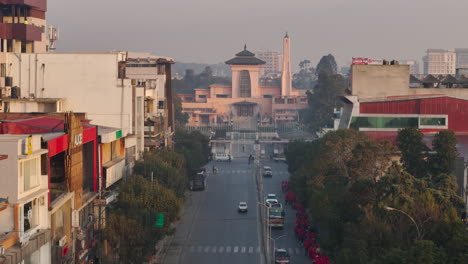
[(269, 202), (271, 196), (242, 207), (222, 157)]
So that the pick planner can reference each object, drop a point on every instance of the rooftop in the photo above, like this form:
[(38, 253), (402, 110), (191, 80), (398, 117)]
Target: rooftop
[(245, 57)]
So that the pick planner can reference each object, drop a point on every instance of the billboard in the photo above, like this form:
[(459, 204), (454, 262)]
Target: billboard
[(367, 61)]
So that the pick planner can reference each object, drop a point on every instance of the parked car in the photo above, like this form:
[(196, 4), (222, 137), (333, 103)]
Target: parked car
[(267, 172), (242, 208), (270, 202)]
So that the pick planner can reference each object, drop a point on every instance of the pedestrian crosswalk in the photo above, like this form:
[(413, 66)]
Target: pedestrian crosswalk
[(193, 249), (247, 172)]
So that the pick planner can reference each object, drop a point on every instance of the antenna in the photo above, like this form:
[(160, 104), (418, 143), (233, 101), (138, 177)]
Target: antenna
[(53, 37)]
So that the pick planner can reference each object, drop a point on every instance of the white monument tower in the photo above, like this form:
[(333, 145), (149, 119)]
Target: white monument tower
[(286, 79)]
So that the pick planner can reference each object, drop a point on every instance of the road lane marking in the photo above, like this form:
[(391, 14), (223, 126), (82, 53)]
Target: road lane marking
[(291, 251), (207, 249), (199, 249), (214, 249), (243, 250), (250, 250), (221, 249), (236, 249), (192, 249), (228, 249), (298, 251)]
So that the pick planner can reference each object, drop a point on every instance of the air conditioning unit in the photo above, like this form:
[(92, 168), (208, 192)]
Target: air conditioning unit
[(63, 241), (2, 251)]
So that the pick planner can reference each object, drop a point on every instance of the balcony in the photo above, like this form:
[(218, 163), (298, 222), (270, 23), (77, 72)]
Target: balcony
[(37, 4), (20, 32)]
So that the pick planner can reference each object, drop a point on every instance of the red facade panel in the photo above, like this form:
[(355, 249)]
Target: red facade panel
[(20, 32), (57, 145), (456, 110), (36, 4)]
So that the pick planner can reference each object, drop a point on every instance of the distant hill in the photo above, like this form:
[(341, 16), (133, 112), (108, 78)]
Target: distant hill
[(220, 69)]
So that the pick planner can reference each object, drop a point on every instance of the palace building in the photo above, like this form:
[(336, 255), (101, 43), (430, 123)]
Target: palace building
[(250, 100)]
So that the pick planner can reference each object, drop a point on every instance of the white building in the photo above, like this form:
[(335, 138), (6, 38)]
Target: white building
[(93, 83), (440, 61), (24, 217), (414, 65), (273, 62)]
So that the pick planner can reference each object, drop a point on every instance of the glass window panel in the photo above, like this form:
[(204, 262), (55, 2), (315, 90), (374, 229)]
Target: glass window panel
[(432, 121)]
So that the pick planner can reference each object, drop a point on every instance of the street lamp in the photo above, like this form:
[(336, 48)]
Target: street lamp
[(274, 245), (388, 208), (268, 228)]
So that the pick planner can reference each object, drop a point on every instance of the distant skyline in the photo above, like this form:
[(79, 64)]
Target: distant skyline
[(212, 31)]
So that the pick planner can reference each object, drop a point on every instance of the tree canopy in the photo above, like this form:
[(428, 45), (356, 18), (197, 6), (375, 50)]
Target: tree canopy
[(347, 180), (327, 65)]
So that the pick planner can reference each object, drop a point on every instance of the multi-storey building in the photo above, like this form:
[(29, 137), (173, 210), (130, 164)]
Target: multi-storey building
[(440, 61), (24, 216), (462, 58), (273, 62), (414, 65), (153, 74)]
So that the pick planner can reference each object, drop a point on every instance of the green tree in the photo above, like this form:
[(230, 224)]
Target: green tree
[(327, 66), (413, 157), (194, 146), (181, 118), (305, 77), (444, 145), (323, 101)]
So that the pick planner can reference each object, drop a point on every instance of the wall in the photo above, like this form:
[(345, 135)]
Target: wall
[(88, 82), (376, 81)]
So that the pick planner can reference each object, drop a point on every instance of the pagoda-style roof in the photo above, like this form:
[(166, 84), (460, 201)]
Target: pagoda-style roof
[(245, 57), (449, 79), (430, 79), (413, 79)]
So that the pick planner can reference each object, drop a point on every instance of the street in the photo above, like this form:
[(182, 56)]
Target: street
[(212, 231)]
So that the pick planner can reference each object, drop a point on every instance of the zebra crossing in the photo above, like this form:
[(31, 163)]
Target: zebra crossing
[(247, 171), (193, 249)]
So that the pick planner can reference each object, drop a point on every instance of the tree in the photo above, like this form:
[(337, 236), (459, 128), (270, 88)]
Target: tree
[(181, 118), (327, 65), (194, 146), (409, 141), (323, 101), (444, 145), (131, 229), (305, 77)]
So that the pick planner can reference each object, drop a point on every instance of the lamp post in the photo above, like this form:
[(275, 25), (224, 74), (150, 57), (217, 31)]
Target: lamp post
[(267, 231), (274, 246), (388, 208)]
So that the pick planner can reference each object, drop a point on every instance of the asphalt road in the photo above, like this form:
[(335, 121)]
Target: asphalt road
[(284, 237), (211, 229)]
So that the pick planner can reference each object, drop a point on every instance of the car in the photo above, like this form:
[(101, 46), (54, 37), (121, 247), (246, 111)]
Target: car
[(281, 256), (222, 157), (270, 202), (242, 208), (267, 172), (276, 205), (271, 196)]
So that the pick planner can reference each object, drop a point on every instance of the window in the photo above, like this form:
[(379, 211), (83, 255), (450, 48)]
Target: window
[(383, 122), (245, 89), (202, 96), (2, 69), (160, 104), (432, 121), (267, 96), (29, 173), (29, 215), (221, 96), (161, 69)]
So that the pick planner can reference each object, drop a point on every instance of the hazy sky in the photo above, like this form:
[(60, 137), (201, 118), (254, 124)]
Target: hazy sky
[(212, 31)]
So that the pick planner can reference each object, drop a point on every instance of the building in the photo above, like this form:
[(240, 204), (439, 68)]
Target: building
[(386, 98), (25, 235), (462, 58), (414, 66), (440, 61), (70, 170), (154, 75), (250, 100), (273, 62)]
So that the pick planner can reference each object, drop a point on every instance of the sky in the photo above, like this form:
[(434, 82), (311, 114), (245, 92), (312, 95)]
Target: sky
[(212, 31)]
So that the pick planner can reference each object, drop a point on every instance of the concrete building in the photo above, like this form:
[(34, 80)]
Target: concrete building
[(273, 62), (414, 65), (153, 74), (462, 58), (440, 61), (24, 229)]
